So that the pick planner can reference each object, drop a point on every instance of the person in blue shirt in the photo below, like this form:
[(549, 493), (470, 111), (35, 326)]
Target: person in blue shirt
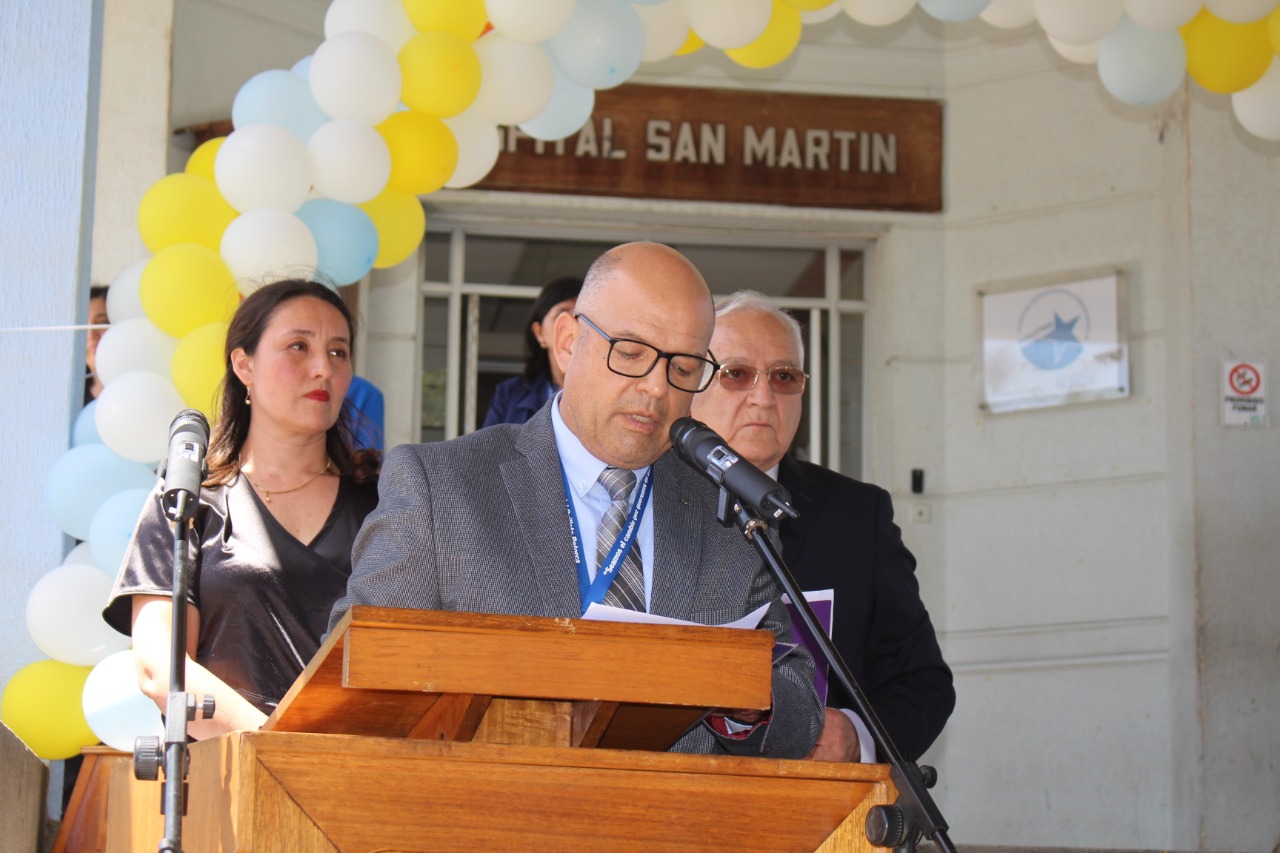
[(516, 399), (367, 421)]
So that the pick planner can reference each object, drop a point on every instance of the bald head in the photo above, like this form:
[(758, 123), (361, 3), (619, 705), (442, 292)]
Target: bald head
[(642, 292), (657, 273)]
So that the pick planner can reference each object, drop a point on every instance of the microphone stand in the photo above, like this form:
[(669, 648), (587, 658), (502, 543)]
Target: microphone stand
[(181, 706), (914, 813)]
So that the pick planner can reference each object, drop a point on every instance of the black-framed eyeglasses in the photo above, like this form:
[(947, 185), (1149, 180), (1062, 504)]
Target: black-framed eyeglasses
[(635, 359), (743, 377)]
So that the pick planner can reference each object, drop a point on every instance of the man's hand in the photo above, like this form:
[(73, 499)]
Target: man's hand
[(839, 739)]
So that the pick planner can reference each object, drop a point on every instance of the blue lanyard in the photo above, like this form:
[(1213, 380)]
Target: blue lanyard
[(593, 592)]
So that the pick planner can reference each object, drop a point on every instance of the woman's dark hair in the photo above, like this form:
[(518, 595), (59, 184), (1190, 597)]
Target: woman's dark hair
[(536, 360), (232, 427)]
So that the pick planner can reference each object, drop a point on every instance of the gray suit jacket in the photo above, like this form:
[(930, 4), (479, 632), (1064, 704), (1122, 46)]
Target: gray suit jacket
[(478, 524)]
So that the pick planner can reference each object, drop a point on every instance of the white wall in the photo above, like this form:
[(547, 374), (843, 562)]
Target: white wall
[(1235, 256), (1057, 615), (49, 62)]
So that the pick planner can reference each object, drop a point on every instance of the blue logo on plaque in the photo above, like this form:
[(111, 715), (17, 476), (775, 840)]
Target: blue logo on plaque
[(1052, 329)]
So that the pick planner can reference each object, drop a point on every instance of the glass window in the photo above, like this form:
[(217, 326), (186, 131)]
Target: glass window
[(501, 275)]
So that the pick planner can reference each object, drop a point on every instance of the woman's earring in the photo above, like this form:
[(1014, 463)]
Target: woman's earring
[(247, 401)]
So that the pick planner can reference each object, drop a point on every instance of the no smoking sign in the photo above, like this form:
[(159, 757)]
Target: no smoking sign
[(1244, 390)]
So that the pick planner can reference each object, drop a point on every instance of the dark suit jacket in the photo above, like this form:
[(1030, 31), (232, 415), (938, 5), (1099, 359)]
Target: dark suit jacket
[(845, 540), (478, 524)]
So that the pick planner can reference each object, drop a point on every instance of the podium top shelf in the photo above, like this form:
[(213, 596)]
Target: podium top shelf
[(381, 668)]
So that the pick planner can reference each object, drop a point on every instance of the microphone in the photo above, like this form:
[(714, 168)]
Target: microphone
[(184, 467), (708, 453)]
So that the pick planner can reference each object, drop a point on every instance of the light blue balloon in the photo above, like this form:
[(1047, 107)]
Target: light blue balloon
[(346, 239), (953, 11), (303, 68), (1141, 66), (82, 479), (281, 98), (567, 111), (647, 2), (112, 527), (601, 46), (85, 430)]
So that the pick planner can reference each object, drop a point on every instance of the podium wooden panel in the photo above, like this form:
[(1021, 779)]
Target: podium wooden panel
[(449, 731)]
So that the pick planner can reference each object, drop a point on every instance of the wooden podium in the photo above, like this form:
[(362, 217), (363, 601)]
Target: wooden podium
[(432, 731)]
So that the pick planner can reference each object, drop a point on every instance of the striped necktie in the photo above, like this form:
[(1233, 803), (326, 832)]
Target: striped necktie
[(627, 589)]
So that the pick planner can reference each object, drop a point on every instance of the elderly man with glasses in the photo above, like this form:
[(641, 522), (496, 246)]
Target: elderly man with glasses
[(844, 539), (585, 504)]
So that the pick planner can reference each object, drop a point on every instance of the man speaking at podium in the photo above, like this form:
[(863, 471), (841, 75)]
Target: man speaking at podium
[(516, 519)]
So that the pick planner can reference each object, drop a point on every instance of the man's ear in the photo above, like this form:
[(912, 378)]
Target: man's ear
[(565, 340)]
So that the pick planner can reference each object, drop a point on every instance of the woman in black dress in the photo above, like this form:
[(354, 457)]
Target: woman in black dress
[(271, 547)]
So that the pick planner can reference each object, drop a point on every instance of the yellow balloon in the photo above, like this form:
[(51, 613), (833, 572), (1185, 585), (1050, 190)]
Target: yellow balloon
[(198, 366), (201, 160), (42, 705), (440, 74), (401, 224), (464, 18), (1273, 29), (1224, 57), (424, 152), (777, 41), (692, 44), (183, 208), (186, 286)]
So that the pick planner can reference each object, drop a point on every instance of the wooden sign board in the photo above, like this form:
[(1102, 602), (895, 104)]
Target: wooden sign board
[(739, 146)]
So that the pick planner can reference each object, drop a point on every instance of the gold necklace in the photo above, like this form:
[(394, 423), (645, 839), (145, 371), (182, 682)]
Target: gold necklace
[(266, 495)]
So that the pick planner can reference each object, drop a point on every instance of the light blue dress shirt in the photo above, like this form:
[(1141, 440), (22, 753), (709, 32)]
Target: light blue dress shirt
[(591, 500)]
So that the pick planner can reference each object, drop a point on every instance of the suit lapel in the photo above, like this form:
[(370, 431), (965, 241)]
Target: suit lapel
[(677, 547), (536, 490), (807, 501)]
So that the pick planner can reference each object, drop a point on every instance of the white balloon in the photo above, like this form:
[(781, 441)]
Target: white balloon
[(262, 165), (1161, 14), (115, 708), (954, 10), (727, 24), (1257, 108), (356, 76), (1141, 66), (134, 413), (123, 299), (350, 161), (1084, 54), (80, 555), (64, 615), (515, 79), (878, 13), (1009, 14), (136, 344), (1078, 21), (265, 245), (666, 28), (385, 19), (529, 22), (478, 146), (826, 13), (1240, 11)]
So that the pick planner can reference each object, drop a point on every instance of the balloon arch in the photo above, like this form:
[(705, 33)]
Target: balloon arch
[(322, 175)]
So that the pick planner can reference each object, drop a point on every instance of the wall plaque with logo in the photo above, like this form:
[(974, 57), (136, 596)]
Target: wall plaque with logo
[(1058, 342), (739, 146)]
